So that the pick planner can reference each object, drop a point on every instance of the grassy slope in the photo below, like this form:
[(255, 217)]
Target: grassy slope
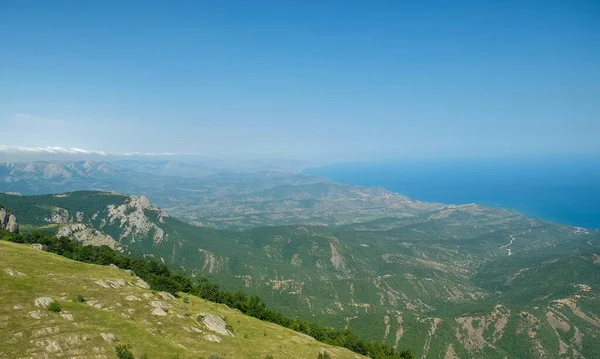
[(46, 274), (437, 262)]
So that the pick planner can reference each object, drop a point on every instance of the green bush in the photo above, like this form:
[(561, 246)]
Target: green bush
[(80, 298), (161, 278), (124, 352), (54, 307), (214, 356), (324, 355)]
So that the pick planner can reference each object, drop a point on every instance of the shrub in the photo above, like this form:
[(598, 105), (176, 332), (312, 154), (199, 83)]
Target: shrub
[(124, 352), (186, 299), (269, 357), (324, 355), (160, 277), (214, 356), (54, 307), (144, 356), (80, 298)]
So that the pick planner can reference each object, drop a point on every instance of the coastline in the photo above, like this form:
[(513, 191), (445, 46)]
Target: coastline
[(567, 194)]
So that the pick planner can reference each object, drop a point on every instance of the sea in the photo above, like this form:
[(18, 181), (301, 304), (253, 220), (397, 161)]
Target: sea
[(562, 189)]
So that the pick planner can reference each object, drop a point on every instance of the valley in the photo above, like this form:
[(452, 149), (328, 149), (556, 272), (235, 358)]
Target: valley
[(232, 200), (440, 280)]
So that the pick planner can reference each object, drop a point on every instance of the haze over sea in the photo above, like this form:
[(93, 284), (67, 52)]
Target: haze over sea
[(564, 190)]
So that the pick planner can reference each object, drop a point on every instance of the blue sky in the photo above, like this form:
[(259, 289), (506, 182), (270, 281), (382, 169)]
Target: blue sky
[(343, 80)]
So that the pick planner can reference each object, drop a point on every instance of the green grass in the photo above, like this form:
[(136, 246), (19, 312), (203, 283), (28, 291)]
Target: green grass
[(130, 322), (467, 246)]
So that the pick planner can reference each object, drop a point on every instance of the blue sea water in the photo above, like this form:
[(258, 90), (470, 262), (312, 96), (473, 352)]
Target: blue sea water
[(564, 190)]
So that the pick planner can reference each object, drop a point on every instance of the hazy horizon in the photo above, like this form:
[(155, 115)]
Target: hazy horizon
[(55, 153)]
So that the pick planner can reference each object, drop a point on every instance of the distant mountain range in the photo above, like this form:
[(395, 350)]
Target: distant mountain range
[(224, 200)]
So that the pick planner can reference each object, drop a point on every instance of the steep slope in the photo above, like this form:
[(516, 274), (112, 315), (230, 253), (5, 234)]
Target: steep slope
[(118, 310), (469, 280), (117, 219)]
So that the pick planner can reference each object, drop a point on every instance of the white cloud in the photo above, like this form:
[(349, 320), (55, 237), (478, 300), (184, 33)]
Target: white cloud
[(52, 150), (55, 150)]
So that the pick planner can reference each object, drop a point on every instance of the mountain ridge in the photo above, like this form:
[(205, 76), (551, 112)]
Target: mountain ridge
[(226, 200), (404, 280)]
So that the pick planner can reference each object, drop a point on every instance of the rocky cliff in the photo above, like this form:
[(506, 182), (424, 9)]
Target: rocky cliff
[(8, 221), (96, 218)]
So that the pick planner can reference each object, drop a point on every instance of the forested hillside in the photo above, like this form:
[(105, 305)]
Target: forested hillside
[(455, 280)]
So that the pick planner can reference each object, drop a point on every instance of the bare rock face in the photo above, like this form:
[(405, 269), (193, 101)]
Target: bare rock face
[(12, 225), (87, 236), (59, 216), (8, 221), (214, 323), (133, 219)]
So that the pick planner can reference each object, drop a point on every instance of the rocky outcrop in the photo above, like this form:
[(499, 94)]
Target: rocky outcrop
[(336, 258), (87, 236), (8, 221), (59, 216), (133, 219), (215, 323), (43, 302), (39, 247), (135, 216)]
